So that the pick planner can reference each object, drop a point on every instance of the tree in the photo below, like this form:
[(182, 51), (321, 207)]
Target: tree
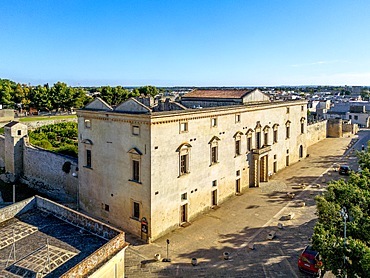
[(40, 98), (6, 92), (146, 90), (328, 236)]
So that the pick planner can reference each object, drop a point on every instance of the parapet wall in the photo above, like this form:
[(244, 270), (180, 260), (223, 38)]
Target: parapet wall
[(11, 211), (43, 171), (77, 219), (36, 124), (316, 132)]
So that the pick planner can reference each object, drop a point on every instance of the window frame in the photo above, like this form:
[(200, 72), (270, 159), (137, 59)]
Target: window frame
[(133, 130), (214, 122), (135, 170), (184, 151), (186, 125), (136, 210), (88, 158), (214, 150), (87, 123), (287, 130)]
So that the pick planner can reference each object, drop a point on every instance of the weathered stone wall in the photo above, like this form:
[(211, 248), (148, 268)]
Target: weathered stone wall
[(77, 219), (316, 132), (10, 211), (335, 128), (6, 115), (42, 170), (350, 128), (36, 124)]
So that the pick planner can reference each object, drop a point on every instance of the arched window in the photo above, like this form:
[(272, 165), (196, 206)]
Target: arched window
[(184, 158), (275, 133), (213, 143), (287, 129), (238, 136), (266, 135), (249, 139), (258, 130), (303, 120)]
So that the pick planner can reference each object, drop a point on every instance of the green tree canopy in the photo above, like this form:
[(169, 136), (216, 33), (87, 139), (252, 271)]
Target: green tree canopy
[(328, 238)]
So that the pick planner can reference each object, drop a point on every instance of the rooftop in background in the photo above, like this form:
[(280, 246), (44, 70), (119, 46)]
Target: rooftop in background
[(229, 93), (40, 237)]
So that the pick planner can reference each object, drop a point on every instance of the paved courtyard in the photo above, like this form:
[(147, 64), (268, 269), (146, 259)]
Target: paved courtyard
[(241, 225)]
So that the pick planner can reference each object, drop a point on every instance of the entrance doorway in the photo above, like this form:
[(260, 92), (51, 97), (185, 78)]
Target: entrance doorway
[(300, 151), (237, 186), (214, 197), (263, 169), (184, 213)]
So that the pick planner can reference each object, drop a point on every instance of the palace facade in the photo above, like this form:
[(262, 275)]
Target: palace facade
[(149, 167)]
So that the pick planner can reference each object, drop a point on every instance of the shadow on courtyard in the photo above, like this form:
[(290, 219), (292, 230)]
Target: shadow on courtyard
[(274, 258)]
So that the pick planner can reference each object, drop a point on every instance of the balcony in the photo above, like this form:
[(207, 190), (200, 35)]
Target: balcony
[(262, 150)]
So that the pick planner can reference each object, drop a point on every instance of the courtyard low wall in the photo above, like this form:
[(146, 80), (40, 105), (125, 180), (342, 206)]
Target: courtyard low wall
[(37, 124), (43, 171), (316, 132)]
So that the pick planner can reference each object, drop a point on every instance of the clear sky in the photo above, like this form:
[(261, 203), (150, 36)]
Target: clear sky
[(186, 42)]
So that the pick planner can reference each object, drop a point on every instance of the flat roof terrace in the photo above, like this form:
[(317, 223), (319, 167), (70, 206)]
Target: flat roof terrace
[(44, 239)]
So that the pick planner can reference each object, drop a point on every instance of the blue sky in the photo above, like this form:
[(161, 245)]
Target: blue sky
[(185, 42)]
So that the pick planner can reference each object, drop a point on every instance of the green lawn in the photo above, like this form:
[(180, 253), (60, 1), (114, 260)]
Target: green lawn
[(44, 118)]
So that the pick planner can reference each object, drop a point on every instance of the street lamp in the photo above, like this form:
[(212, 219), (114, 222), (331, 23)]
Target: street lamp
[(344, 214), (167, 259)]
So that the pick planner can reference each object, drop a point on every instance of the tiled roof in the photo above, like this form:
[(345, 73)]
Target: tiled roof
[(217, 93)]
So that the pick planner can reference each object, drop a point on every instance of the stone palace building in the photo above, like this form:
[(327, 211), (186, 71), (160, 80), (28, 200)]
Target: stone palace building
[(149, 167)]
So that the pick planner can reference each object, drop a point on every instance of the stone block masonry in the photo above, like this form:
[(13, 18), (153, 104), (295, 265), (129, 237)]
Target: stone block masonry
[(43, 171)]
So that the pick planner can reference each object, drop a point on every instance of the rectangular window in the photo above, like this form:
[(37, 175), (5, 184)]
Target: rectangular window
[(214, 183), (87, 124), (350, 117), (214, 122), (258, 139), (275, 134), (214, 155), (106, 207), (136, 210), (266, 137), (183, 164), (287, 132), (135, 130), (184, 196), (135, 170), (183, 127), (238, 173), (302, 108), (356, 117), (88, 158), (237, 147), (19, 132), (237, 118), (287, 110), (249, 143), (302, 127)]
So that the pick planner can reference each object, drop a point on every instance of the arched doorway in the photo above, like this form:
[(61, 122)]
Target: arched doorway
[(300, 151)]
